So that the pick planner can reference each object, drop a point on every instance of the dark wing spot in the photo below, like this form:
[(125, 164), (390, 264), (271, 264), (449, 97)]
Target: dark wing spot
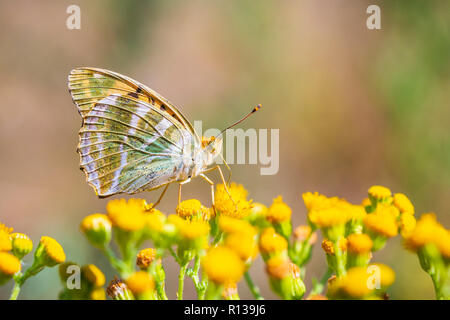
[(134, 95), (163, 107)]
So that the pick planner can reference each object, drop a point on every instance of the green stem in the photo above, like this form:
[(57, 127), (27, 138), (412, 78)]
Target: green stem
[(320, 285), (181, 275), (340, 262), (160, 277), (200, 285), (15, 291), (20, 278), (174, 255), (253, 288), (121, 267)]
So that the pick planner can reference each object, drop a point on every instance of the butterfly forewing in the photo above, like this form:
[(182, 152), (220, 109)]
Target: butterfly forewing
[(128, 145), (90, 85)]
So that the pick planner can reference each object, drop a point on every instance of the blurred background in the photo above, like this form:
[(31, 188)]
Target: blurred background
[(355, 107)]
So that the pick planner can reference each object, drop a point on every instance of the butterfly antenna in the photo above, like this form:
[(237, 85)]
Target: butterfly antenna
[(259, 106)]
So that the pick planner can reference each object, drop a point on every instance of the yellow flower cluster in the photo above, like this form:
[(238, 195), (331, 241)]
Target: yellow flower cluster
[(328, 212), (15, 246), (429, 231), (216, 246)]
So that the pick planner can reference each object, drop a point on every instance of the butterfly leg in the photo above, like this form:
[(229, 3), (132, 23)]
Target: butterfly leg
[(179, 188), (229, 169), (217, 167), (212, 188), (159, 199)]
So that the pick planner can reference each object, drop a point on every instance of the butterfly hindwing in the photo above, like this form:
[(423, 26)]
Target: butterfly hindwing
[(127, 145)]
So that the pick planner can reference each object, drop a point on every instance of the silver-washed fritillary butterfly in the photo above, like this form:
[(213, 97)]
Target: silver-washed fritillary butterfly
[(132, 139)]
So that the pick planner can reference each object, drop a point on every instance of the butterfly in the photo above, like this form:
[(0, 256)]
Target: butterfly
[(133, 140)]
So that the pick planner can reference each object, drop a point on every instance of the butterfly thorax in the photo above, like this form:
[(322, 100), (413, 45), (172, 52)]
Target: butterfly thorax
[(205, 155)]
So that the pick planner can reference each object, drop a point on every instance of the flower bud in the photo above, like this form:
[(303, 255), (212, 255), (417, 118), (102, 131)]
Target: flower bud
[(21, 245), (97, 228), (93, 275), (285, 278), (49, 253), (117, 290), (230, 292), (145, 257)]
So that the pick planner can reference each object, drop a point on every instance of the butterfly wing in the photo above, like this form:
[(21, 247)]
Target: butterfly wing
[(90, 85), (128, 146)]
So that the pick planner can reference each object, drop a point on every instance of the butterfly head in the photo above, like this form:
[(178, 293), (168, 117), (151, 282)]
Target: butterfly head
[(212, 147)]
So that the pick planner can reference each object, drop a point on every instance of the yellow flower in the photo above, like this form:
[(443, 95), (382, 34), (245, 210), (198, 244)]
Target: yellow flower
[(5, 228), (223, 266), (127, 215), (194, 229), (278, 267), (189, 208), (429, 231), (379, 192), (403, 203), (224, 204), (366, 202), (358, 284), (50, 252), (383, 208), (315, 201), (97, 228), (272, 242), (328, 245), (94, 275), (233, 225), (359, 243), (98, 294), (279, 211), (5, 241), (382, 223), (244, 244), (145, 257), (354, 212), (316, 297), (387, 274), (329, 217), (21, 244), (407, 223), (9, 265), (154, 221), (140, 283), (258, 209)]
